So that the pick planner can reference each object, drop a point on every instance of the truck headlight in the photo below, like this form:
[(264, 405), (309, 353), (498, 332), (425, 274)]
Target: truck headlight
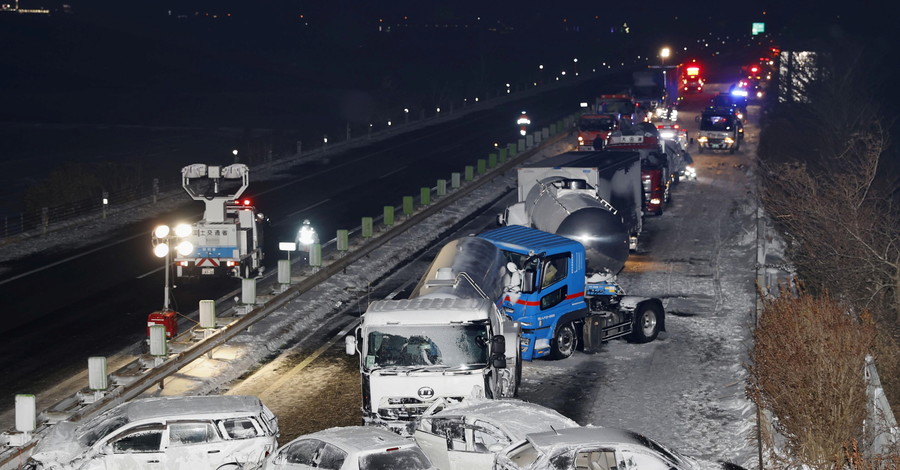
[(729, 140), (702, 139)]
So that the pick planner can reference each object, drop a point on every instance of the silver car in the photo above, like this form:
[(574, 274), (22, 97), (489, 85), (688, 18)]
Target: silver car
[(214, 432), (468, 435), (350, 448), (591, 448)]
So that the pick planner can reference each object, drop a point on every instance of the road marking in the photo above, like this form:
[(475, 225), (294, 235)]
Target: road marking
[(103, 247), (286, 217), (312, 357), (150, 272), (398, 290), (391, 173)]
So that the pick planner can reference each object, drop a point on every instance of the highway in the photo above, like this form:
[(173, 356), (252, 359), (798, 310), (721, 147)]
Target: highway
[(65, 305), (685, 389)]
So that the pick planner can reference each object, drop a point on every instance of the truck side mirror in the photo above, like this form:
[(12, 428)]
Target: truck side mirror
[(528, 281), (498, 352), (696, 118), (498, 345), (350, 345)]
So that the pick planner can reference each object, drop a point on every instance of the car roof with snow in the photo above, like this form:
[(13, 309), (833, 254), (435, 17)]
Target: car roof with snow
[(587, 435), (516, 418), (160, 407), (359, 438)]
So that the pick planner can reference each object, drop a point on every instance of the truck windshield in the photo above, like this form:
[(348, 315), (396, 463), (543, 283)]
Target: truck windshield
[(596, 124), (617, 107), (423, 346), (711, 122)]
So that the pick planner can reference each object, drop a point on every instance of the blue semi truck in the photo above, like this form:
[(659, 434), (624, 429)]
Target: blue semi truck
[(562, 300)]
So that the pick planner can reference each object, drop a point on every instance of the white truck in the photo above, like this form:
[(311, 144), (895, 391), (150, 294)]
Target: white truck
[(228, 240), (448, 340)]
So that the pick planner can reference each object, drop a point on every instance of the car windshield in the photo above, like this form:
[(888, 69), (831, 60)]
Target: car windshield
[(672, 455), (99, 427), (424, 346), (596, 124), (409, 458), (716, 122)]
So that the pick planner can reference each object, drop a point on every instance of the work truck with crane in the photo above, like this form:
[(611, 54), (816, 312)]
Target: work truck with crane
[(227, 241)]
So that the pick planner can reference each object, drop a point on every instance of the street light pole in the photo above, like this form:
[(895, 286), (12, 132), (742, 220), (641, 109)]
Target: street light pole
[(166, 290)]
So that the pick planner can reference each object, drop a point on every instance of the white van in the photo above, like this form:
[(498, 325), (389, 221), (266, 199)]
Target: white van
[(203, 432)]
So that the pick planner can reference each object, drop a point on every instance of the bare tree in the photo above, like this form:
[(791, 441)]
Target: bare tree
[(807, 362)]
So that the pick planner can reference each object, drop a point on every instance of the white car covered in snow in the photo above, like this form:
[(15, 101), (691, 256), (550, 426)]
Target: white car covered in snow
[(208, 432), (468, 435), (350, 448), (591, 448)]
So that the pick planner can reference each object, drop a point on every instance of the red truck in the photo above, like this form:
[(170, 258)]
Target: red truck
[(656, 172), (621, 104), (594, 129)]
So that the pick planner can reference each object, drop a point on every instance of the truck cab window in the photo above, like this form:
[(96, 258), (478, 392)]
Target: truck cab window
[(554, 269)]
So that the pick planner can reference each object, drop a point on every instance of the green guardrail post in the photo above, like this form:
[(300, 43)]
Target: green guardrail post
[(553, 128), (343, 240), (455, 178), (367, 227), (441, 188), (492, 160), (513, 150), (424, 196), (470, 172), (502, 155), (315, 255), (520, 147), (408, 205), (388, 215), (482, 166)]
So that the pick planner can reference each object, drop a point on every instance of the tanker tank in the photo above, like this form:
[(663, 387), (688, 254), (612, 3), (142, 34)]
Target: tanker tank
[(476, 257), (570, 208)]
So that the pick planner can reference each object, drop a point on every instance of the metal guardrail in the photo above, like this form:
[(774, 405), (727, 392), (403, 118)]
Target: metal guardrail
[(12, 457)]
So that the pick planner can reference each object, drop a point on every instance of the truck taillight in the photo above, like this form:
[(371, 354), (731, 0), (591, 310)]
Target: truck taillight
[(231, 264), (581, 139), (182, 263)]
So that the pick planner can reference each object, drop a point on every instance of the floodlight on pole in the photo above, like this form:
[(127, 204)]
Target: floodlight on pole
[(164, 238)]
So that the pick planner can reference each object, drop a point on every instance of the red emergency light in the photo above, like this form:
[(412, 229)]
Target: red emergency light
[(754, 69), (693, 71)]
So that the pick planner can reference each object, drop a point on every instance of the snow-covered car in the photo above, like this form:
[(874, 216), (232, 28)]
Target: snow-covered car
[(468, 435), (214, 432), (594, 448), (350, 448)]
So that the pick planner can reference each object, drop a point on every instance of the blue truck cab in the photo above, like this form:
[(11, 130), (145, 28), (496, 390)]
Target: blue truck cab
[(559, 304)]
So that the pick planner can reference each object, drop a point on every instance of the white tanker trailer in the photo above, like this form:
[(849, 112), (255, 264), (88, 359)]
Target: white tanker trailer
[(593, 197)]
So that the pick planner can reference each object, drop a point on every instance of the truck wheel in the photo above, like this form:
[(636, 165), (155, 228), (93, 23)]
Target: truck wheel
[(564, 342), (647, 319), (699, 149)]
